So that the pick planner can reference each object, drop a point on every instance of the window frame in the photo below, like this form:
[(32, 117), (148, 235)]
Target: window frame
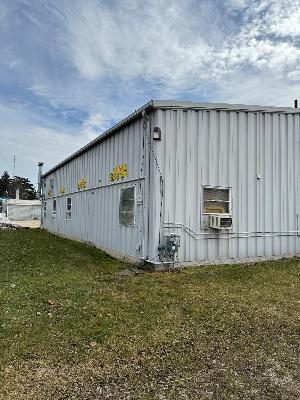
[(229, 214), (134, 205), (69, 212), (54, 211), (45, 208)]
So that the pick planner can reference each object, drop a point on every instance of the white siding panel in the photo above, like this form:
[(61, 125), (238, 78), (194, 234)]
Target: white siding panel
[(254, 153), (95, 211)]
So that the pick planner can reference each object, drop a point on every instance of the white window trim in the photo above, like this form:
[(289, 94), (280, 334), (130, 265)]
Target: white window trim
[(230, 200), (68, 219), (134, 209)]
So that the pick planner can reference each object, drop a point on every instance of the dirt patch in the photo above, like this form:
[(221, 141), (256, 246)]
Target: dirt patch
[(33, 224)]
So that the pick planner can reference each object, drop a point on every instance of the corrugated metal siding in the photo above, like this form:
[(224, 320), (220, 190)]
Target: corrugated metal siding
[(254, 153), (95, 211)]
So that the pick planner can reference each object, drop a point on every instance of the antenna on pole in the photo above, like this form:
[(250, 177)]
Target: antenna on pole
[(14, 166)]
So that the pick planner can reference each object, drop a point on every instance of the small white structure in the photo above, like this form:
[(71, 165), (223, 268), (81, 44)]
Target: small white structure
[(23, 210), (3, 202), (184, 181)]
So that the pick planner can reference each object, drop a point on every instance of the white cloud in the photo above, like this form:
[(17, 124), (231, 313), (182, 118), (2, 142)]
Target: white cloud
[(122, 49), (260, 89), (294, 75), (94, 125), (236, 5), (151, 43), (166, 45)]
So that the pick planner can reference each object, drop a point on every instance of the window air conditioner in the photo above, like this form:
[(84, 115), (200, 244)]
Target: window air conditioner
[(220, 222)]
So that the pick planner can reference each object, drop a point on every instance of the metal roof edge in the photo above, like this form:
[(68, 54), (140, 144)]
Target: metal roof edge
[(168, 104), (104, 135)]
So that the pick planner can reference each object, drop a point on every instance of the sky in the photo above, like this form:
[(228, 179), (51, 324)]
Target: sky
[(70, 69)]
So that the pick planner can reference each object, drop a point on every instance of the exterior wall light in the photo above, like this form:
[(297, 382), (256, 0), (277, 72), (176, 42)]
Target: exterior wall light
[(156, 133)]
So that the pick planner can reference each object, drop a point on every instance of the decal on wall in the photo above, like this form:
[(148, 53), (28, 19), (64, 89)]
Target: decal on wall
[(62, 190), (119, 172), (49, 193), (82, 184)]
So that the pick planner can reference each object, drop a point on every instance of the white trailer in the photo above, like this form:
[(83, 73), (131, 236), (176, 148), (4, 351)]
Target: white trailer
[(23, 210)]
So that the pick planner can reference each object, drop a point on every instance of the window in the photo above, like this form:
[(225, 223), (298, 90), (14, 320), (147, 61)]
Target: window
[(127, 206), (45, 208), (69, 208), (54, 208), (216, 200)]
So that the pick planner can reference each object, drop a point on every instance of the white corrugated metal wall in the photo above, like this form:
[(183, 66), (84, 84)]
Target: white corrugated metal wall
[(254, 153), (95, 211)]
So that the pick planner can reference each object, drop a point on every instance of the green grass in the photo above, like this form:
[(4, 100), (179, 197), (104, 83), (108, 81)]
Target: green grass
[(217, 332)]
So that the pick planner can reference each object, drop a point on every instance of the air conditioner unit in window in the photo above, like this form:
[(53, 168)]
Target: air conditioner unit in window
[(220, 222)]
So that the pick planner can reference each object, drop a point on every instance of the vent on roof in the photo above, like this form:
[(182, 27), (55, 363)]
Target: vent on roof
[(127, 206)]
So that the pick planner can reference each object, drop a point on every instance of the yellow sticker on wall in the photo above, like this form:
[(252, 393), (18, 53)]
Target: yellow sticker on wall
[(49, 193), (82, 184), (62, 190), (119, 172)]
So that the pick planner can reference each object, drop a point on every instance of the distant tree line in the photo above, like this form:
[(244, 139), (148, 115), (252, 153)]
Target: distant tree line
[(8, 187)]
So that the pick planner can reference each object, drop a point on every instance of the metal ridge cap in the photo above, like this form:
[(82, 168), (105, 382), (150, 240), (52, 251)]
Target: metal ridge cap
[(101, 137), (170, 104)]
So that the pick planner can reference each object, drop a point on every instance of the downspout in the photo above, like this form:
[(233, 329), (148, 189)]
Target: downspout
[(40, 165), (147, 186), (155, 193)]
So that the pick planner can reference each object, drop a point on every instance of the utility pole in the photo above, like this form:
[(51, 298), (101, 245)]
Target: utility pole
[(14, 167)]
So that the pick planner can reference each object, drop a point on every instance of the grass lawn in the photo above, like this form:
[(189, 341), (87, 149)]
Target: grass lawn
[(217, 332)]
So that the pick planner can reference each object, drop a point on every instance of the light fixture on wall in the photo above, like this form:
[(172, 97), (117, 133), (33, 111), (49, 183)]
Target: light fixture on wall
[(156, 133)]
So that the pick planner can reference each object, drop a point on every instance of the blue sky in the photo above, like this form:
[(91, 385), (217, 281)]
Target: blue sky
[(70, 69)]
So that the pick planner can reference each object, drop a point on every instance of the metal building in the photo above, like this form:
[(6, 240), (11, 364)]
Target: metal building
[(184, 181)]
